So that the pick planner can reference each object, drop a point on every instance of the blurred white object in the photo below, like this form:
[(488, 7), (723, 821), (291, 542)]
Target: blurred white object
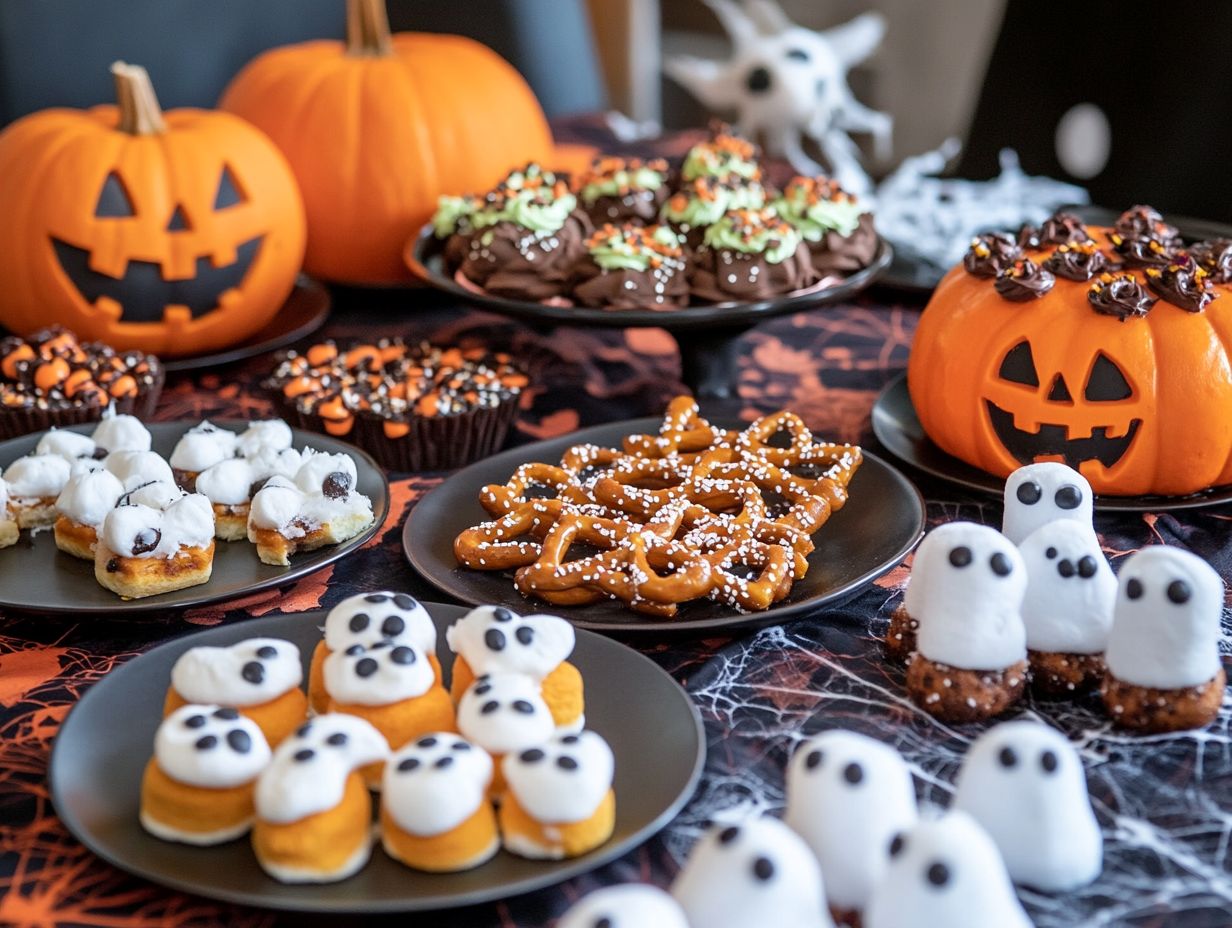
[(787, 83)]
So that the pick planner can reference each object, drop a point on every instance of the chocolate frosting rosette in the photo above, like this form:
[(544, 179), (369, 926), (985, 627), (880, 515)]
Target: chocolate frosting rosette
[(633, 267), (528, 237), (748, 255), (838, 230), (452, 223), (624, 190)]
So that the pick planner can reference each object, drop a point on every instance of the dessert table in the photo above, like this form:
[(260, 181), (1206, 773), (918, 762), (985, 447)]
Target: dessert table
[(1165, 803)]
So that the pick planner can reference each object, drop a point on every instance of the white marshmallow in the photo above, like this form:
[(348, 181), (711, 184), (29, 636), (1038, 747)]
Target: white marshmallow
[(367, 618), (435, 783), (135, 468), (848, 796), (203, 446), (210, 747), (630, 906), (503, 713), (563, 779), (1041, 493), (494, 639), (88, 497), (265, 436), (228, 482), (381, 675), (974, 584), (316, 466), (157, 494), (1165, 628), (1070, 589), (121, 433), (37, 476), (756, 874), (247, 673), (1024, 783), (945, 872), (69, 445)]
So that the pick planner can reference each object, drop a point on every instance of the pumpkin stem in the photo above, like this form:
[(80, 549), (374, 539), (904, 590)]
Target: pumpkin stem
[(140, 113), (367, 28)]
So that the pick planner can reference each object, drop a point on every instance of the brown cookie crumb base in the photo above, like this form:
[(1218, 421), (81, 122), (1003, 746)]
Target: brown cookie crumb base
[(955, 695), (900, 636), (1155, 711), (1058, 675)]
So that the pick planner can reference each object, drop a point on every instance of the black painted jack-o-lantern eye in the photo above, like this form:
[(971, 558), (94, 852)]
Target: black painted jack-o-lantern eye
[(229, 191), (1019, 366), (1106, 384), (113, 200)]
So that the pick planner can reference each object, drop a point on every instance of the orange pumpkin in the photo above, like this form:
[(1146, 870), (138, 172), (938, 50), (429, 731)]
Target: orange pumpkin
[(1139, 405), (172, 233), (378, 127)]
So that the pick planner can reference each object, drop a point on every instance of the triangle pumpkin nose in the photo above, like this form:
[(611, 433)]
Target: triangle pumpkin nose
[(1059, 392)]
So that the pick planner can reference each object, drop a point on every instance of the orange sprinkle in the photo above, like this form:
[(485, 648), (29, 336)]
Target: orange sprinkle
[(51, 373), (396, 429), (322, 354), (22, 352), (124, 386)]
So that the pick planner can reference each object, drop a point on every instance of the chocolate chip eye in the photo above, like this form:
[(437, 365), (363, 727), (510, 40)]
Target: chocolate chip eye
[(1065, 568), (494, 638), (146, 541), (814, 759), (1048, 760), (407, 764), (460, 746), (502, 614), (533, 756), (375, 598), (522, 706), (1087, 567), (525, 635), (402, 655), (253, 672), (393, 626), (566, 763), (489, 707), (1029, 493), (570, 739), (428, 742), (1179, 592), (938, 874), (1007, 757), (359, 621), (1000, 565), (336, 485), (603, 922), (1068, 497), (960, 556), (443, 762), (303, 730), (729, 834), (853, 773), (897, 843), (205, 742), (194, 721), (483, 689), (240, 740), (354, 649), (379, 645), (305, 754), (337, 739), (405, 602), (1133, 589), (763, 869), (267, 652), (366, 667), (797, 54), (1050, 553)]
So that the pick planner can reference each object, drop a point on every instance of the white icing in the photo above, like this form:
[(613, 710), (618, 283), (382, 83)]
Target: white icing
[(1070, 589), (975, 892), (562, 779), (848, 796), (210, 747), (757, 873), (69, 445), (88, 497), (37, 476), (137, 467), (157, 494), (268, 435), (287, 509), (229, 676), (309, 770), (1049, 484), (516, 716), (284, 463), (199, 838), (81, 466), (186, 523), (203, 446), (276, 505), (494, 639), (378, 676), (435, 783), (630, 906), (316, 466), (971, 616), (227, 482), (121, 433), (367, 618), (1156, 642), (1024, 783)]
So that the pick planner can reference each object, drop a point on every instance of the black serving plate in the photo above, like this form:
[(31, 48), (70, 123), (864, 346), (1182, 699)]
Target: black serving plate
[(35, 576), (95, 776), (880, 524), (898, 428)]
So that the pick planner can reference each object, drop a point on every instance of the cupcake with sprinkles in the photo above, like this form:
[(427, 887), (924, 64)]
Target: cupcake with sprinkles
[(703, 201), (723, 156), (412, 406), (632, 267), (837, 228), (751, 254), (619, 190)]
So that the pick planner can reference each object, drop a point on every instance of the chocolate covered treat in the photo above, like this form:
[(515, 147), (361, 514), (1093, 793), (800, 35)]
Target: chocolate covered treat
[(837, 228), (702, 202), (748, 255), (619, 190), (723, 156), (452, 223), (633, 267)]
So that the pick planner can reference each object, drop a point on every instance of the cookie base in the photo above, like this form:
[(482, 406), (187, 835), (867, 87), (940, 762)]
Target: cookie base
[(75, 538), (9, 532), (37, 513), (1155, 711), (230, 522), (276, 549), (955, 695), (138, 577), (1061, 675), (900, 639)]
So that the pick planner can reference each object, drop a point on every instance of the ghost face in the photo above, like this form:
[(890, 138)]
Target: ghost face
[(1070, 589), (1041, 493), (750, 875), (974, 584), (368, 618), (945, 872), (848, 796), (1165, 627), (631, 906), (1024, 783)]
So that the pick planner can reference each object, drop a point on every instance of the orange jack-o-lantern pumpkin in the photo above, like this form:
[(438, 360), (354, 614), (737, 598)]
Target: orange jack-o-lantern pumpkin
[(1138, 401), (378, 127), (174, 233)]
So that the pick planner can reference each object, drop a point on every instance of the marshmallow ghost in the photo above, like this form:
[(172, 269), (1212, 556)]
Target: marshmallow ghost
[(630, 906), (945, 872), (1070, 589), (752, 875), (1165, 628), (848, 796), (1024, 783), (974, 584), (1041, 493)]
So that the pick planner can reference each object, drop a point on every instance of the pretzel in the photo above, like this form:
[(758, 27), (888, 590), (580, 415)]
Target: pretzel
[(501, 498)]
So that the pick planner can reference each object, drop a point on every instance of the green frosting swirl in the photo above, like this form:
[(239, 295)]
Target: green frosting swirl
[(616, 253), (702, 161), (642, 178), (450, 211), (776, 245), (539, 215), (814, 220)]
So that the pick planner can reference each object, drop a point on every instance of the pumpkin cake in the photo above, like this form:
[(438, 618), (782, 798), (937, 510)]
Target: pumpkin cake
[(632, 267), (619, 190), (1105, 348)]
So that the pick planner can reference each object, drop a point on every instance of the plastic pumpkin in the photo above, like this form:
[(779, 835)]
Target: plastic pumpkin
[(175, 233), (378, 127), (1139, 405)]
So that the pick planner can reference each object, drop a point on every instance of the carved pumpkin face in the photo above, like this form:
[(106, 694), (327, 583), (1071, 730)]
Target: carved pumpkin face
[(173, 241)]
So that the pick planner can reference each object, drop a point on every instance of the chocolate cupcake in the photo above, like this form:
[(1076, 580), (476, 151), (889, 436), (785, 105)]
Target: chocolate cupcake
[(452, 224), (528, 237), (52, 380), (749, 255), (633, 267), (837, 228), (723, 157), (702, 202), (413, 407), (619, 190)]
